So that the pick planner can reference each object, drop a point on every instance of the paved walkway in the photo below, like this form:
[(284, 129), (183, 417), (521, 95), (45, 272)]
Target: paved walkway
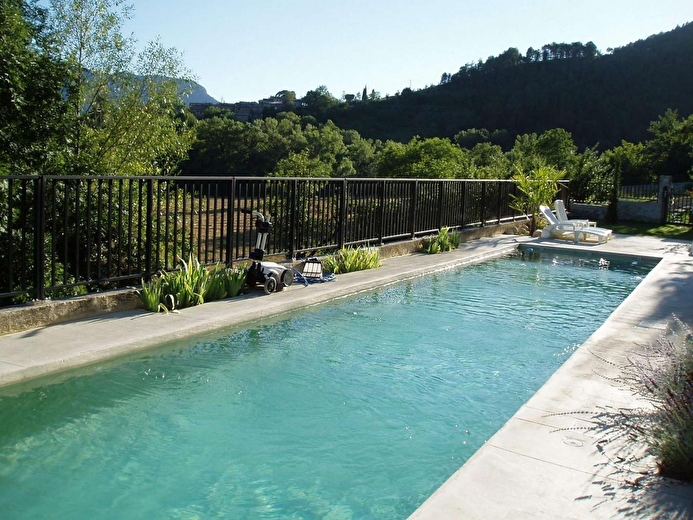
[(528, 469)]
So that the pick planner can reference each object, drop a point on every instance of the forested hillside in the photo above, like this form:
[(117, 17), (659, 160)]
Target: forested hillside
[(514, 115), (597, 98)]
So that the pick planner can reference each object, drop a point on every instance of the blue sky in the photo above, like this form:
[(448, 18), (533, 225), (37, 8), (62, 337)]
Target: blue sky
[(245, 50)]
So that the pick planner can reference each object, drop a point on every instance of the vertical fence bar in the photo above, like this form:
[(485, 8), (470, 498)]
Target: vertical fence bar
[(89, 246), (183, 231), (75, 267), (109, 233), (149, 234), (341, 239), (464, 203), (292, 218), (381, 211), (200, 196), (40, 234), (157, 256), (99, 230), (500, 201), (24, 205), (10, 234), (118, 243), (230, 198), (441, 201), (65, 221), (412, 215)]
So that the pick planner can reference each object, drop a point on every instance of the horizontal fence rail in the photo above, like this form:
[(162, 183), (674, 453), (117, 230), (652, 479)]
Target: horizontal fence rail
[(64, 235), (640, 192)]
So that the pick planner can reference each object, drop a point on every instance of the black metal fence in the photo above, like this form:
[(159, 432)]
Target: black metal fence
[(74, 234), (680, 205), (639, 192)]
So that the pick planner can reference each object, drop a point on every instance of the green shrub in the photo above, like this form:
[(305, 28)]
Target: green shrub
[(192, 285), (662, 376), (151, 295), (186, 286), (349, 259), (235, 280), (215, 286), (443, 241)]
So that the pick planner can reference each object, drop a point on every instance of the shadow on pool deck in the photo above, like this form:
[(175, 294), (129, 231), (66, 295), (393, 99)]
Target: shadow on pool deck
[(537, 466)]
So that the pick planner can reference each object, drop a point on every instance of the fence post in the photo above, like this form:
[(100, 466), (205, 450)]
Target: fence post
[(412, 216), (149, 238), (441, 201), (381, 211), (565, 192), (464, 204), (483, 203), (341, 239), (40, 234), (665, 190), (230, 210), (292, 219), (500, 201)]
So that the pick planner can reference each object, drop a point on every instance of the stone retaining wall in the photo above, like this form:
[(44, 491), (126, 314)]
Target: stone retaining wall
[(48, 312)]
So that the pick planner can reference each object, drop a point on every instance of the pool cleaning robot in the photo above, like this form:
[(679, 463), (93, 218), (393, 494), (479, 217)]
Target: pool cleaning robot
[(272, 276)]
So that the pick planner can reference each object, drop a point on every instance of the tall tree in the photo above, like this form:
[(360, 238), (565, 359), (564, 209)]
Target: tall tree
[(31, 82), (557, 148), (670, 151), (126, 117)]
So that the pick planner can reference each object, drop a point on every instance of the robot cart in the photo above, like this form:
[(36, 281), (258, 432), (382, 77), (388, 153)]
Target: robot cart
[(272, 276)]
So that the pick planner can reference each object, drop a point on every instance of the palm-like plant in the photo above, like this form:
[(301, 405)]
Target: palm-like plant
[(537, 187)]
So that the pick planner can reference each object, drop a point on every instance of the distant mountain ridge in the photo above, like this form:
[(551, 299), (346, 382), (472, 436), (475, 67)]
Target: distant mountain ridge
[(197, 95)]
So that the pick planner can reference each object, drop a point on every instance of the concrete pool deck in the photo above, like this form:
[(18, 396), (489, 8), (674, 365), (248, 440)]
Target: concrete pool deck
[(539, 465)]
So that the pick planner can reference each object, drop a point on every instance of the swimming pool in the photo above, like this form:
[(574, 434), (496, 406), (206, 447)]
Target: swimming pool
[(357, 408)]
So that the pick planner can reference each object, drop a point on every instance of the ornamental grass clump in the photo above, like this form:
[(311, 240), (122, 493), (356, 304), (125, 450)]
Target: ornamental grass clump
[(349, 259), (662, 377), (151, 295), (191, 285), (444, 241)]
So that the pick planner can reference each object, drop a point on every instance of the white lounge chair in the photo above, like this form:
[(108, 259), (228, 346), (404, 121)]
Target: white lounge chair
[(557, 229), (563, 216)]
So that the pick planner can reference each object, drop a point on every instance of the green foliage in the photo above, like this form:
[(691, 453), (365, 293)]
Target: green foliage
[(302, 165), (600, 99), (285, 146), (77, 99), (349, 259), (32, 109), (537, 187), (192, 285), (433, 158), (662, 375), (670, 151), (442, 242), (152, 294), (235, 280), (592, 178), (653, 230)]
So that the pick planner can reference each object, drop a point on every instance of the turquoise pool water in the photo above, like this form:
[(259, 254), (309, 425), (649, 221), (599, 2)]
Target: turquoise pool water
[(359, 408)]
